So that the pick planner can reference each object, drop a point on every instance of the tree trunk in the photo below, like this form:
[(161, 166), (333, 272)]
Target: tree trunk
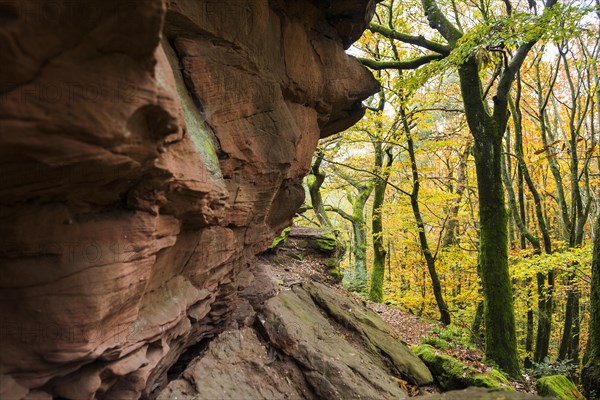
[(414, 202), (542, 341), (590, 375), (450, 236), (500, 333), (569, 344), (573, 352), (477, 324), (500, 337), (379, 253), (521, 198), (529, 333), (355, 279), (315, 180), (487, 131)]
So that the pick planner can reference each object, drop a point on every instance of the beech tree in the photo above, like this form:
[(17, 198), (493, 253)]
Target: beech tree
[(383, 162), (414, 202)]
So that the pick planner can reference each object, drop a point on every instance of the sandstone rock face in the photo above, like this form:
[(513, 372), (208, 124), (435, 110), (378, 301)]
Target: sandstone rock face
[(148, 150)]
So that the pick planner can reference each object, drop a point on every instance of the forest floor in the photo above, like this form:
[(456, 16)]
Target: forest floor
[(414, 329), (411, 328)]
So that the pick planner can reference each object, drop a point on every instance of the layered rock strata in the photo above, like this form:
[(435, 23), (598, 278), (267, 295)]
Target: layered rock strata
[(148, 150)]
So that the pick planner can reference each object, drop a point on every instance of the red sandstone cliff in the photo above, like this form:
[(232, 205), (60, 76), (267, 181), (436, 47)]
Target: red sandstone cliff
[(147, 152)]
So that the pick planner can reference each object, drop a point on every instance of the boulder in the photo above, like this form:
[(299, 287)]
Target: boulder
[(451, 374), (372, 331)]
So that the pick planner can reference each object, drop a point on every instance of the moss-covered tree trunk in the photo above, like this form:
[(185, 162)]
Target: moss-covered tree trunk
[(379, 253), (544, 326), (476, 325), (527, 363), (500, 336), (569, 344), (590, 376), (488, 131), (355, 277)]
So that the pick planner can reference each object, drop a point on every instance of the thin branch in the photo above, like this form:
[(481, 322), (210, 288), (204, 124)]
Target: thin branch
[(339, 211), (401, 65), (370, 173), (420, 40)]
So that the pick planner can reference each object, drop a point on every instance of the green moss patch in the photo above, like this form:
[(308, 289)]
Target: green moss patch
[(281, 238), (326, 242), (559, 386), (451, 374), (436, 342)]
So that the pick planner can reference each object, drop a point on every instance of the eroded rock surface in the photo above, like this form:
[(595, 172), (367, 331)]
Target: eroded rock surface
[(306, 341), (149, 149)]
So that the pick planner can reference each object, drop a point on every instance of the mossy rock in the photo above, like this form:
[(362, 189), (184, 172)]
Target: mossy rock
[(281, 238), (436, 342), (492, 379), (451, 374), (447, 371), (326, 242), (336, 274), (559, 386), (330, 263), (333, 267)]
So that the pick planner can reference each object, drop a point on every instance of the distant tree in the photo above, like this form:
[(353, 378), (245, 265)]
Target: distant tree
[(315, 181), (357, 194)]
